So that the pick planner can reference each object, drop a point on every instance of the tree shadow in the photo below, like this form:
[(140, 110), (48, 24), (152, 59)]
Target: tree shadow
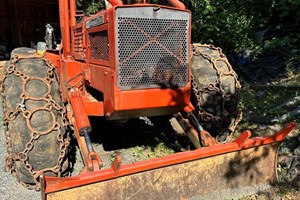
[(246, 165), (252, 170)]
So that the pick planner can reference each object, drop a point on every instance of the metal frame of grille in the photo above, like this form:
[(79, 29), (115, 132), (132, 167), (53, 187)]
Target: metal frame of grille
[(99, 45), (152, 48)]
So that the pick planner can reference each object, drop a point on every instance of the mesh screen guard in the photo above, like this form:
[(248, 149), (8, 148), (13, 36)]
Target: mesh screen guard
[(152, 47), (99, 45)]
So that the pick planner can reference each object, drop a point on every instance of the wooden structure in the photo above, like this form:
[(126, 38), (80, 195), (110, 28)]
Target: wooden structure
[(23, 21)]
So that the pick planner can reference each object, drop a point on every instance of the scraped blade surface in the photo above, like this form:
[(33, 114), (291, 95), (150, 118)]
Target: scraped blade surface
[(224, 176)]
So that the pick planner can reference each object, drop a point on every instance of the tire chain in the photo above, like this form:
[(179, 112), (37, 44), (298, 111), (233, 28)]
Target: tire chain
[(11, 115), (216, 87)]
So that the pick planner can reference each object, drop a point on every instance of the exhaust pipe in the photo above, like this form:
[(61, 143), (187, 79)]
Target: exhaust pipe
[(177, 4), (115, 2)]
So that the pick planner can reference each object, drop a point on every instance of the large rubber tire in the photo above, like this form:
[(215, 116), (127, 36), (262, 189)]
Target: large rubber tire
[(36, 136), (215, 91)]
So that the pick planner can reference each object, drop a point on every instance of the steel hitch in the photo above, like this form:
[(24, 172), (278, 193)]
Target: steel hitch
[(193, 129), (206, 139), (187, 122)]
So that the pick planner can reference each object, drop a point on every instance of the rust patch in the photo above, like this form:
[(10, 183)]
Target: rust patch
[(219, 177)]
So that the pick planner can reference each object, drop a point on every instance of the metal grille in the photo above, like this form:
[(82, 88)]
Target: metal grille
[(78, 40), (152, 52), (99, 45)]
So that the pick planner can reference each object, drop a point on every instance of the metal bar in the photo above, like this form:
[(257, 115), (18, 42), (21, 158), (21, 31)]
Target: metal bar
[(73, 12), (88, 141), (91, 159), (93, 108), (82, 120), (65, 26), (187, 128), (81, 143), (193, 119), (54, 184), (67, 43)]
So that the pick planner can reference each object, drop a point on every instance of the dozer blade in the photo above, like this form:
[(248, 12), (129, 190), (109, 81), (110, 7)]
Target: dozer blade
[(223, 171)]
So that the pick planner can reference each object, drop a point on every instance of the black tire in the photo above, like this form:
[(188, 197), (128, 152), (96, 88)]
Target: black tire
[(34, 117), (215, 91)]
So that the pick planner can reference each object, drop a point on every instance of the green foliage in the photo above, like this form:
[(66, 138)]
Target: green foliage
[(146, 152), (90, 6), (286, 43), (263, 102), (285, 10), (231, 24)]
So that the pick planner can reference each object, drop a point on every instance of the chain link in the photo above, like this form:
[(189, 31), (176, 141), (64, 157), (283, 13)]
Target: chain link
[(216, 88), (51, 106)]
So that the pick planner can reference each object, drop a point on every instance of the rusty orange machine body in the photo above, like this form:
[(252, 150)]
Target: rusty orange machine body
[(132, 60), (105, 52)]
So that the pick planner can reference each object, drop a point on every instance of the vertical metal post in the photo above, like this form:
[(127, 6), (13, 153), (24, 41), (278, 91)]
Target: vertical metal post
[(65, 26), (73, 12)]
